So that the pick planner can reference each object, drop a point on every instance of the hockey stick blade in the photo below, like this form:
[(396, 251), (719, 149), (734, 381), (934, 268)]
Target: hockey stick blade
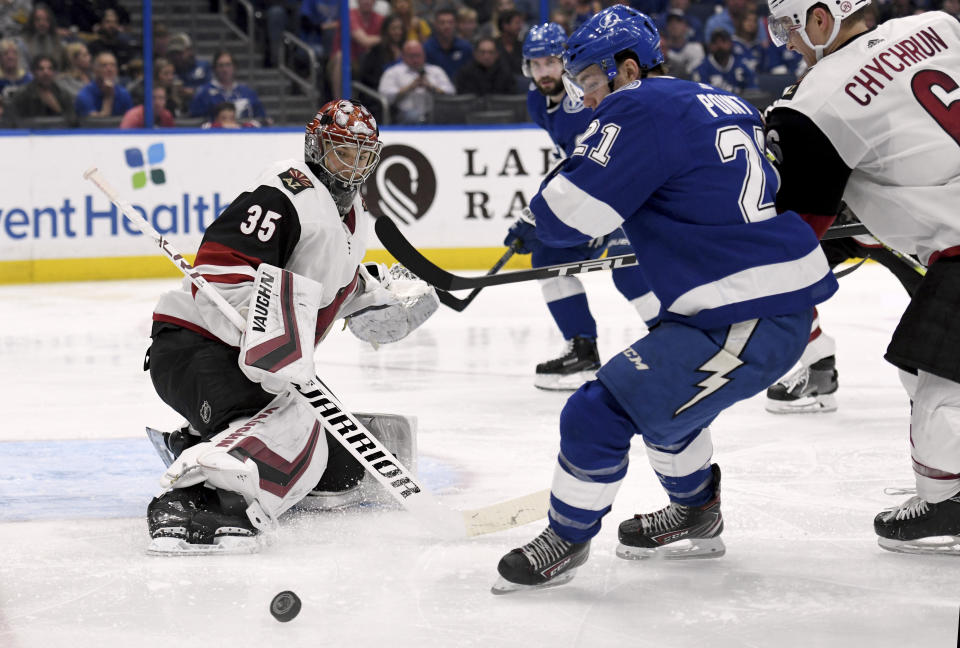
[(506, 515), (397, 245)]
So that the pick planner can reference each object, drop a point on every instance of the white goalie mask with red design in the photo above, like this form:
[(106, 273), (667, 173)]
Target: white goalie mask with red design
[(343, 139)]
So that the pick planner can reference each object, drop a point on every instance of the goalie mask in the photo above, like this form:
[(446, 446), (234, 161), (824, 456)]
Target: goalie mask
[(788, 16), (342, 146)]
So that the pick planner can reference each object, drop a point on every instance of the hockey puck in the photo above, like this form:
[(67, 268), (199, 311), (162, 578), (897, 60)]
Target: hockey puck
[(285, 606)]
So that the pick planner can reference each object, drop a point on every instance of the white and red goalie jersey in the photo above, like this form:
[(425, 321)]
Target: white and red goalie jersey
[(289, 220)]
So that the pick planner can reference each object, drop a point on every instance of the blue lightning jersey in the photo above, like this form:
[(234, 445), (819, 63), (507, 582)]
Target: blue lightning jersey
[(680, 167), (563, 121)]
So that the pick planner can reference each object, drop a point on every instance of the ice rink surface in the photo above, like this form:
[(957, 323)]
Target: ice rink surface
[(802, 566)]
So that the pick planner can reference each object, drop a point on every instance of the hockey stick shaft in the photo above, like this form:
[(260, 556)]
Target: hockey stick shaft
[(458, 304), (397, 245), (338, 421)]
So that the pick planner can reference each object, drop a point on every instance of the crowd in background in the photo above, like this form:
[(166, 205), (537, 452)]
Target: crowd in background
[(80, 61)]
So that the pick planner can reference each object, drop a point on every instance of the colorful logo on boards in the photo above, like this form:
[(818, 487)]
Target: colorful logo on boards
[(155, 155)]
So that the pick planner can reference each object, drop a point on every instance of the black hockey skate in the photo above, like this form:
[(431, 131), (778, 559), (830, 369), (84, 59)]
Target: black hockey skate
[(675, 532), (577, 365), (199, 520), (546, 561), (808, 389), (919, 527)]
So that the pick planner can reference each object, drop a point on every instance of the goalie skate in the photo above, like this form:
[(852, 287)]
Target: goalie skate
[(546, 561), (919, 527), (577, 365), (807, 390), (675, 532), (187, 521)]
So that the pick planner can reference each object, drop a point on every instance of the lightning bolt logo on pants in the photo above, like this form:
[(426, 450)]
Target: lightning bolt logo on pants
[(726, 360)]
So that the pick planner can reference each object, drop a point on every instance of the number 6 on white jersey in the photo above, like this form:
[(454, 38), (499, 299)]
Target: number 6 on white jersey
[(267, 226)]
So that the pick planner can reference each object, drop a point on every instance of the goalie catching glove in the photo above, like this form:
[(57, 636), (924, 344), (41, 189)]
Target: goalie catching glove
[(277, 345), (393, 303)]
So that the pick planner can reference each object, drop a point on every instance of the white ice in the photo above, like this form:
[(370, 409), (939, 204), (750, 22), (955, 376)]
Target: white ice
[(799, 495)]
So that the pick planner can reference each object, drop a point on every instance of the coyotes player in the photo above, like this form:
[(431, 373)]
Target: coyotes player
[(251, 451), (873, 123)]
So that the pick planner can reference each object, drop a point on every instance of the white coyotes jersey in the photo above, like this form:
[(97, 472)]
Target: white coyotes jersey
[(287, 219), (887, 103)]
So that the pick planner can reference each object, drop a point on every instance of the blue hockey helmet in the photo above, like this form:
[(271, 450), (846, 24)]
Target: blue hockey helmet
[(609, 32), (542, 40)]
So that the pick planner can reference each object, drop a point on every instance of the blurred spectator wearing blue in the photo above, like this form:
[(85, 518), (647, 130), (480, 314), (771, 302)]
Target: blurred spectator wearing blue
[(748, 42), (682, 7), (781, 60), (104, 96), (584, 11), (444, 47), (134, 118), (224, 88), (111, 39), (383, 55), (485, 73), (191, 71), (40, 37), (649, 7), (410, 85), (79, 70), (319, 19), (724, 20), (682, 54), (12, 73), (722, 69), (42, 97)]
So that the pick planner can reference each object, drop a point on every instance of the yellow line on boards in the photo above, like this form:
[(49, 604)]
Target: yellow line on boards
[(155, 266)]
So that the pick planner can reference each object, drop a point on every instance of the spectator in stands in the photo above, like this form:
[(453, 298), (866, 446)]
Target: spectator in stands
[(410, 85), (40, 37), (489, 27), (486, 73), (467, 24), (84, 15), (585, 10), (12, 73), (509, 44), (722, 69), (161, 39), (951, 7), (383, 55), (319, 22), (414, 27), (135, 117), (694, 24), (192, 71), (444, 47), (365, 26), (225, 116), (13, 16), (224, 88), (79, 70), (748, 43), (897, 9), (732, 10), (42, 97), (165, 76), (111, 39), (104, 96), (683, 55)]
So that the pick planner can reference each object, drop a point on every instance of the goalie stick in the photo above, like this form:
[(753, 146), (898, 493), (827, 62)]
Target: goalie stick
[(458, 304), (344, 426), (397, 245)]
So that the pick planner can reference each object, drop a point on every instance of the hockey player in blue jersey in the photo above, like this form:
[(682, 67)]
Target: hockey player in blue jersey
[(680, 167), (564, 119)]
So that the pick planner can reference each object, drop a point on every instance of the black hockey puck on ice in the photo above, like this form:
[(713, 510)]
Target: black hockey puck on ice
[(285, 606)]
